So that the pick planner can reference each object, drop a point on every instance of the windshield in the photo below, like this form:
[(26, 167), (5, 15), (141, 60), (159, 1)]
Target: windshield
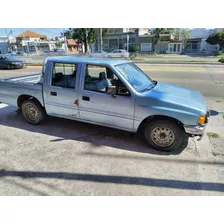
[(135, 76)]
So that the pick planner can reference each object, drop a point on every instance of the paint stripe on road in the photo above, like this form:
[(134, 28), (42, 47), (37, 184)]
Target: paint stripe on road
[(148, 67)]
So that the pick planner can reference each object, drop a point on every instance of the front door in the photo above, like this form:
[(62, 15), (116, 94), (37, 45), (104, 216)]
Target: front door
[(98, 106), (61, 95)]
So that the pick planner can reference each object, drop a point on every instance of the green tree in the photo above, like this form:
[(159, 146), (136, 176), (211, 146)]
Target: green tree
[(216, 38), (156, 36), (58, 44), (185, 34), (84, 35)]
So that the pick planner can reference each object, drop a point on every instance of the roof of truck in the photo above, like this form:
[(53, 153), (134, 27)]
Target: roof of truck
[(73, 59)]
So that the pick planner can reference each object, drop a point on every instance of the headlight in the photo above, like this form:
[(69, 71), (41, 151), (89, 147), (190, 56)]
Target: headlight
[(201, 119), (16, 63)]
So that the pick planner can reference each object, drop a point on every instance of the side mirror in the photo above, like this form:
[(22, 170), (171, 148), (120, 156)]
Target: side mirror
[(112, 91)]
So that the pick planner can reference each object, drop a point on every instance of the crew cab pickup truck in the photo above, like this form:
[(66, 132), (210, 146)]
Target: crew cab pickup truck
[(112, 93)]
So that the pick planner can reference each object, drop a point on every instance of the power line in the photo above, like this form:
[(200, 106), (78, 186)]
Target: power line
[(49, 31)]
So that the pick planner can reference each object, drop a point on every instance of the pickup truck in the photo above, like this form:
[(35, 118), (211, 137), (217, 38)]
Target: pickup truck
[(112, 93)]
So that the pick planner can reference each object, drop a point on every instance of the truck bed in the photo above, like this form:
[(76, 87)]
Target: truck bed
[(12, 88), (32, 79)]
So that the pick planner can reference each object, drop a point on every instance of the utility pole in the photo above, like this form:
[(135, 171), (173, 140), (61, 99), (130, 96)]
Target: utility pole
[(101, 39), (65, 39), (8, 40), (127, 43), (87, 39)]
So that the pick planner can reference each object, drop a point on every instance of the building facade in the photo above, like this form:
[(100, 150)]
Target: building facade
[(29, 42)]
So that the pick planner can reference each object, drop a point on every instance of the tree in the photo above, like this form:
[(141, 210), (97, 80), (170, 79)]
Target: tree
[(185, 35), (84, 35), (156, 36), (58, 44), (216, 38)]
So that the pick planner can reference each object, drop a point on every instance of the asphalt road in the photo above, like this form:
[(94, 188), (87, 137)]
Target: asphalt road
[(63, 157), (207, 79)]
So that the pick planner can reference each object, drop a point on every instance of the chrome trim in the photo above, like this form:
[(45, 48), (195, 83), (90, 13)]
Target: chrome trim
[(195, 129)]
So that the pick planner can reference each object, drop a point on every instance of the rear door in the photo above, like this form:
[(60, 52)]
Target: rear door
[(61, 91)]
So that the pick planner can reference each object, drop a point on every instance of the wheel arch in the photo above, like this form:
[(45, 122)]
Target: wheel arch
[(25, 97), (159, 117)]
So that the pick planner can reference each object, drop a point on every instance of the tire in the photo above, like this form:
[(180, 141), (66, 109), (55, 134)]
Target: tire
[(32, 111), (164, 135), (9, 67)]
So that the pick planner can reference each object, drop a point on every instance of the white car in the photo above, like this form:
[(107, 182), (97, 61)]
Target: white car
[(99, 54), (118, 53)]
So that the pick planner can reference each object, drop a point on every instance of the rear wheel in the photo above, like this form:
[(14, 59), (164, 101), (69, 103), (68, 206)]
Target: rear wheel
[(32, 111), (164, 135)]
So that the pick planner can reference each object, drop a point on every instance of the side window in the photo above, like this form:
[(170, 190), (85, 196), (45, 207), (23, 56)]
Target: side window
[(64, 75), (101, 79)]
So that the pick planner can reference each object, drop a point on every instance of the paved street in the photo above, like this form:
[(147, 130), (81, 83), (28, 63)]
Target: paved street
[(63, 157)]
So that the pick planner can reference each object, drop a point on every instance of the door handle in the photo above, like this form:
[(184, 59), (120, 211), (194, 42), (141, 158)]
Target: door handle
[(86, 98), (53, 93)]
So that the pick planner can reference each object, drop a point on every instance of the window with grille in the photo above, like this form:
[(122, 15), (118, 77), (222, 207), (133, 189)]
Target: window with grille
[(146, 47)]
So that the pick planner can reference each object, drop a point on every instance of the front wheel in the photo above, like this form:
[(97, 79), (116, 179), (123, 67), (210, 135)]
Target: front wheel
[(164, 135), (9, 67), (32, 111)]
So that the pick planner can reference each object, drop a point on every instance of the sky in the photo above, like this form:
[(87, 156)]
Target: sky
[(49, 32)]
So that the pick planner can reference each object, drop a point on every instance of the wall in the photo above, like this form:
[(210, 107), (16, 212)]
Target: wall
[(4, 47), (201, 33)]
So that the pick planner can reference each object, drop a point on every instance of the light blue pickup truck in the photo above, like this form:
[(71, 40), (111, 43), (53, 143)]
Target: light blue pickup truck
[(112, 93)]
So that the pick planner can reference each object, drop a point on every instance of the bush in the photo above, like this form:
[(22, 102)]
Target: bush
[(221, 60), (133, 49)]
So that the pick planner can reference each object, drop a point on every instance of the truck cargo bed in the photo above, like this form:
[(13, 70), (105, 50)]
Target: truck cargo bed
[(31, 79)]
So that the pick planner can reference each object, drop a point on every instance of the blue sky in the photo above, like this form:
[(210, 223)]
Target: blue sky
[(49, 32)]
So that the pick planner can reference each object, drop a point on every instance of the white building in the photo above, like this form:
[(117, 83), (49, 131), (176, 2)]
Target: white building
[(31, 42), (4, 45)]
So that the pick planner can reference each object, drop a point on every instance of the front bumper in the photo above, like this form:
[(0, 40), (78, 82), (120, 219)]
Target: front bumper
[(21, 65), (197, 130)]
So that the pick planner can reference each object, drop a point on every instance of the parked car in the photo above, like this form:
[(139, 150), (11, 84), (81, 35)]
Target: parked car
[(112, 93), (118, 53), (60, 50), (11, 62), (12, 53), (99, 54), (21, 53)]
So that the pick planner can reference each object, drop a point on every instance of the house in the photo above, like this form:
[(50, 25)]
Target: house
[(74, 45), (141, 37), (117, 39), (4, 45), (197, 44), (59, 38), (29, 41)]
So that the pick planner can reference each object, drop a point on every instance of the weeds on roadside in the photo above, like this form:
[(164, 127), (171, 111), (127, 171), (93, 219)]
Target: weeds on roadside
[(213, 135)]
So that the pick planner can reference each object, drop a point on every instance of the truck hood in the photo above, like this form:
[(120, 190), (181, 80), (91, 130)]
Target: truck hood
[(179, 97)]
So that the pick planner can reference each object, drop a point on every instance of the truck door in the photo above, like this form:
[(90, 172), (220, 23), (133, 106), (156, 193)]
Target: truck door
[(61, 91), (98, 106)]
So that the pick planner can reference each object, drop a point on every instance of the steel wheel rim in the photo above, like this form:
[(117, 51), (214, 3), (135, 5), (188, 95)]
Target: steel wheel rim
[(163, 136), (31, 112)]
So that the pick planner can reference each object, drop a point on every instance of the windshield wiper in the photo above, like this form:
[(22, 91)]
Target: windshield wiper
[(152, 85)]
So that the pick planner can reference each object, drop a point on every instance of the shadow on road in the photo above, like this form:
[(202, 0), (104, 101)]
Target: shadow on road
[(144, 181), (64, 129), (214, 113)]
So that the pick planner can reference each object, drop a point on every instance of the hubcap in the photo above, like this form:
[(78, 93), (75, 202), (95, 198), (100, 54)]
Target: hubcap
[(163, 136), (31, 112)]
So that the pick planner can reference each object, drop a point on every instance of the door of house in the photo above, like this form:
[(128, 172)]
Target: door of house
[(175, 48)]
